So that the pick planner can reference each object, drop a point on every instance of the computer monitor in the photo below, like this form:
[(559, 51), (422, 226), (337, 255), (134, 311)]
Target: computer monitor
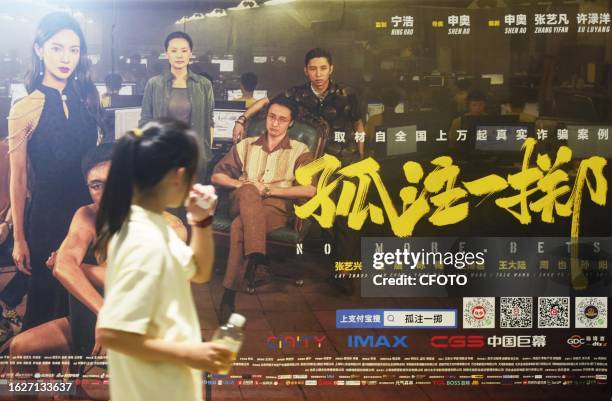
[(434, 80), (226, 64), (496, 79), (585, 148), (532, 108), (127, 89), (375, 108), (260, 94), (234, 94), (225, 115), (511, 144), (126, 119)]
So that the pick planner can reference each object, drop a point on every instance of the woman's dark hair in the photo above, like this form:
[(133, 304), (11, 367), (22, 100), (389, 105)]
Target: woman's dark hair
[(178, 35), (287, 102), (80, 80), (141, 159), (316, 53)]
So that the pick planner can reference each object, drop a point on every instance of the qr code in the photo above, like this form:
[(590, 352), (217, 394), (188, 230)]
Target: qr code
[(516, 312), (553, 312), (591, 312), (479, 313)]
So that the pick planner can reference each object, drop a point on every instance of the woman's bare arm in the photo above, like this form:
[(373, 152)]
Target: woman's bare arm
[(22, 121)]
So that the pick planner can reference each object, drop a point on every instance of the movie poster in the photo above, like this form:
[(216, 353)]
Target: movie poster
[(458, 242)]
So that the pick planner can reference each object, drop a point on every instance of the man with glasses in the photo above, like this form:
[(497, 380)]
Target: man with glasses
[(261, 172)]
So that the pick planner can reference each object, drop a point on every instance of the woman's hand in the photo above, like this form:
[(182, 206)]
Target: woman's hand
[(207, 194), (210, 357), (21, 256)]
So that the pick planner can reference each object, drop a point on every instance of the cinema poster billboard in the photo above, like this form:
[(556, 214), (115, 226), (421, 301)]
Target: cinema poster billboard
[(463, 256)]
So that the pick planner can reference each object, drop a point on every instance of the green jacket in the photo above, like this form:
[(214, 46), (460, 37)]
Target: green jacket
[(157, 95)]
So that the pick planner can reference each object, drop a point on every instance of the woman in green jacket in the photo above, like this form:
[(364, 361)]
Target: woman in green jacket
[(181, 94)]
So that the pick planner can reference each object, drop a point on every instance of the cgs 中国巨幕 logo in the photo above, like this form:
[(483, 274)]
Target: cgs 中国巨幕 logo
[(381, 341), (477, 341)]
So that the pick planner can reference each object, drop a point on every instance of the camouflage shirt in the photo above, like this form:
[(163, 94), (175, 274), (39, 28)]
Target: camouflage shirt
[(339, 107)]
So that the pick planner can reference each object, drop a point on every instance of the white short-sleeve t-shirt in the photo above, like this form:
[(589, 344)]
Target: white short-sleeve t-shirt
[(148, 292)]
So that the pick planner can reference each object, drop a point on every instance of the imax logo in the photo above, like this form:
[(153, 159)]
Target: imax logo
[(377, 342)]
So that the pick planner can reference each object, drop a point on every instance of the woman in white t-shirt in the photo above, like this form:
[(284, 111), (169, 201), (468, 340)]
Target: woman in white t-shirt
[(149, 322)]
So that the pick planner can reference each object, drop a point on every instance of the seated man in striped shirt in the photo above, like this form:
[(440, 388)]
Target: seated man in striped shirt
[(261, 170)]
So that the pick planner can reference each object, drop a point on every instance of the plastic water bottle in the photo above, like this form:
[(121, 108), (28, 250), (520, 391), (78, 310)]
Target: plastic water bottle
[(230, 335)]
